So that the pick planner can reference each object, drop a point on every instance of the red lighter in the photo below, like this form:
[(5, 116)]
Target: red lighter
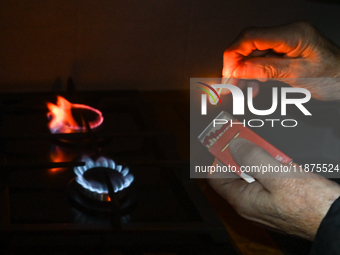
[(217, 135)]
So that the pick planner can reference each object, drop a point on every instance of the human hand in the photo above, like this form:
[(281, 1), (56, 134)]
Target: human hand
[(294, 203), (294, 51)]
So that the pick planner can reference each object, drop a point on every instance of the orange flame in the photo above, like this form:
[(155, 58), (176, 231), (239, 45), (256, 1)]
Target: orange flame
[(59, 155), (61, 118)]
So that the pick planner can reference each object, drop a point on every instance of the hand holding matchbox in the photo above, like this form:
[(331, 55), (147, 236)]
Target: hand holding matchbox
[(218, 134)]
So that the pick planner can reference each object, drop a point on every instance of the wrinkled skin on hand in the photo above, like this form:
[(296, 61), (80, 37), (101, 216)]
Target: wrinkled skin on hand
[(294, 203), (292, 51), (297, 202)]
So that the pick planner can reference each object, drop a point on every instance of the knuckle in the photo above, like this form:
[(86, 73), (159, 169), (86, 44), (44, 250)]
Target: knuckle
[(249, 32), (269, 71), (302, 24), (226, 53), (303, 27)]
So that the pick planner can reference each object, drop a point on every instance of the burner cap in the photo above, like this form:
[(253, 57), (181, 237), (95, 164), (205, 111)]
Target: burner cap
[(90, 189), (98, 177), (94, 177)]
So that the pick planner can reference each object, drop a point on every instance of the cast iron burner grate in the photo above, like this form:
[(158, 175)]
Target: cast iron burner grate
[(37, 213)]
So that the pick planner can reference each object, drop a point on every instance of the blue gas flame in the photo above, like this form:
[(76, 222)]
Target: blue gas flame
[(102, 162)]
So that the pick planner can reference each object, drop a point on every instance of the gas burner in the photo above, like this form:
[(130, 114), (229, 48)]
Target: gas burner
[(94, 181), (75, 125), (93, 178), (62, 120)]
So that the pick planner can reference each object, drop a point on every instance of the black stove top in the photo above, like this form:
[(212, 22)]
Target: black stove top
[(38, 212)]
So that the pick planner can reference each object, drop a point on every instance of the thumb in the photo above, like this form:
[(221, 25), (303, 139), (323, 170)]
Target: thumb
[(264, 68), (252, 159)]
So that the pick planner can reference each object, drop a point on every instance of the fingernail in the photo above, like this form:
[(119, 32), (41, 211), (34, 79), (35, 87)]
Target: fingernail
[(236, 143)]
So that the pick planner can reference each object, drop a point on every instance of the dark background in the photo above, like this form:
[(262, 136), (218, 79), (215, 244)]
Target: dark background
[(158, 45), (146, 44)]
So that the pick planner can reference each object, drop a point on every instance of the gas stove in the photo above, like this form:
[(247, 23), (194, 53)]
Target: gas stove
[(140, 198)]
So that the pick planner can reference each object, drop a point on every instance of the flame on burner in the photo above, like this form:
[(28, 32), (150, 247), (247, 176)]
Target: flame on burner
[(61, 118), (102, 162)]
